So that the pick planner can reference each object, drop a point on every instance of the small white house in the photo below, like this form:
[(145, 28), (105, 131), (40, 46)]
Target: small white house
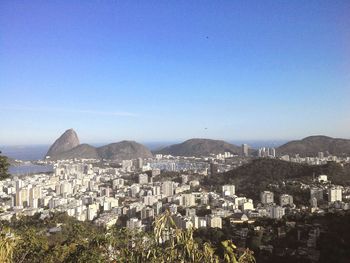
[(322, 178)]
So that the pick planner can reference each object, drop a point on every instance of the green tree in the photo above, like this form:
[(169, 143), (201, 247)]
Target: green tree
[(28, 240), (4, 165), (8, 242), (31, 247)]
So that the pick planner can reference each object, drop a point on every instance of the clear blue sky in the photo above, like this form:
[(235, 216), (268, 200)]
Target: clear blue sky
[(166, 70)]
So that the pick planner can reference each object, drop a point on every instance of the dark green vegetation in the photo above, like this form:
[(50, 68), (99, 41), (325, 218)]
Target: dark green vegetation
[(332, 245), (266, 174), (4, 165), (60, 238), (310, 146), (168, 175), (35, 243), (288, 237)]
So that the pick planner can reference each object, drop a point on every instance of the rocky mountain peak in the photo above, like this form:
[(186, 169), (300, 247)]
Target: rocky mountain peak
[(67, 141)]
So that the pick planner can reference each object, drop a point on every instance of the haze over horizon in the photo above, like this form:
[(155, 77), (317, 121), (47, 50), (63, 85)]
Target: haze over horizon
[(170, 71)]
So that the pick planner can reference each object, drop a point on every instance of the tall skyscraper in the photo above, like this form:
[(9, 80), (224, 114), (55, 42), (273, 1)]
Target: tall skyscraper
[(19, 184), (245, 149), (34, 196), (335, 194), (273, 152), (139, 163), (172, 167), (213, 169), (168, 188), (22, 197)]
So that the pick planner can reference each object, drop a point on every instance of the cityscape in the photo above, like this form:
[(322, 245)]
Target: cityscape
[(174, 131), (132, 193)]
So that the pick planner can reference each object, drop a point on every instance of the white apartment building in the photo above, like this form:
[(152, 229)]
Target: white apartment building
[(228, 190), (168, 188), (335, 194)]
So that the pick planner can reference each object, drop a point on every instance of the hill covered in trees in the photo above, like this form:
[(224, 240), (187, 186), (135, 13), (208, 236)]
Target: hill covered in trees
[(200, 147), (4, 165), (252, 178), (311, 145)]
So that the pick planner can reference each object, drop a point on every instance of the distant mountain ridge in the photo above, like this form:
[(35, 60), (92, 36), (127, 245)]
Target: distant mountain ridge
[(67, 147), (200, 147), (124, 150), (311, 145)]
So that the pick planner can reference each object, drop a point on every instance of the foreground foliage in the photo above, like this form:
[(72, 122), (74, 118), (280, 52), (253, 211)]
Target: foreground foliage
[(29, 240), (4, 165)]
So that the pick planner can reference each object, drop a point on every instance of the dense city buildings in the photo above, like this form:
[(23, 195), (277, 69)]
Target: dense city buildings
[(134, 192), (88, 191), (267, 152)]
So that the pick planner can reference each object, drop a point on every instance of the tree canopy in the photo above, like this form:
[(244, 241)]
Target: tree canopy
[(4, 165), (29, 239)]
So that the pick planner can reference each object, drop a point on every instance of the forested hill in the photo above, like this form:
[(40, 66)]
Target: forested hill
[(200, 147), (254, 177), (311, 145)]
